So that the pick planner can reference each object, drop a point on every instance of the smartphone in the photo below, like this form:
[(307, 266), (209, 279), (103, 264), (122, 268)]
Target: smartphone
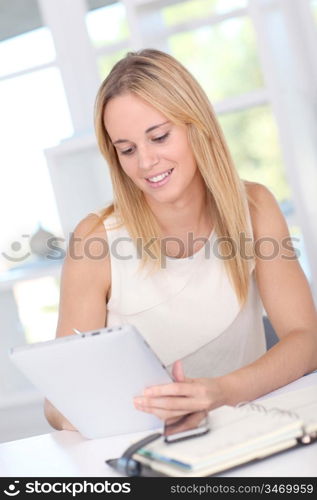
[(186, 426)]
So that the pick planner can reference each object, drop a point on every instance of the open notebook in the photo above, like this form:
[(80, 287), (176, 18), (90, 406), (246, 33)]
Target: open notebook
[(238, 435)]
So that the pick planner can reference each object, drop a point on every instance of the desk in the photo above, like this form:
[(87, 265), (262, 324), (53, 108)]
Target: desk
[(67, 454)]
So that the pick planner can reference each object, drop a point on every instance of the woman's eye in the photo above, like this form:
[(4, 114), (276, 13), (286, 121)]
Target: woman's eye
[(126, 151), (161, 138)]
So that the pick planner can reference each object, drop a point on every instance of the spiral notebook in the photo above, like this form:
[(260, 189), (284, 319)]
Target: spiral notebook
[(238, 435)]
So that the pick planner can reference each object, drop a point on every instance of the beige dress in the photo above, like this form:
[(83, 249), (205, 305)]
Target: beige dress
[(188, 310)]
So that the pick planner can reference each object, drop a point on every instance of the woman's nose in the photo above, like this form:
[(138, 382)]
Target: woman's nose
[(147, 158)]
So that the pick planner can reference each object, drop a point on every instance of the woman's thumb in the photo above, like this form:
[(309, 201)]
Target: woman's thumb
[(178, 372)]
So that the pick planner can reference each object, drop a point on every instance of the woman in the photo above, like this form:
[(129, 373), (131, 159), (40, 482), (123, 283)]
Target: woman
[(181, 266)]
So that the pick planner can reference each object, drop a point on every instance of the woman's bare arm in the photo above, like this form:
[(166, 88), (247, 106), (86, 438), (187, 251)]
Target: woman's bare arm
[(288, 301), (85, 284)]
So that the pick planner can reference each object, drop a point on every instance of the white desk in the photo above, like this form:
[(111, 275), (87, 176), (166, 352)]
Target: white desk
[(67, 454)]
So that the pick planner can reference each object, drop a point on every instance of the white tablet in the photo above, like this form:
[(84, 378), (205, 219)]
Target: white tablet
[(91, 378)]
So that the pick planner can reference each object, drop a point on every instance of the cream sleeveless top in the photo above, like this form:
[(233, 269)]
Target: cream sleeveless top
[(188, 310)]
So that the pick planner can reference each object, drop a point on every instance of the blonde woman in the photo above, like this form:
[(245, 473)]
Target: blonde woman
[(194, 250)]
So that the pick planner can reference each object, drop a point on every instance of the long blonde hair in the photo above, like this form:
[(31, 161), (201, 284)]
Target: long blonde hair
[(162, 81)]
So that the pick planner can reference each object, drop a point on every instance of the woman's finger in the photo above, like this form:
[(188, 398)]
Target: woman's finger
[(173, 389), (170, 403), (178, 372), (164, 414)]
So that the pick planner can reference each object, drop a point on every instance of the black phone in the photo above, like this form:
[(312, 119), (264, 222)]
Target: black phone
[(187, 426)]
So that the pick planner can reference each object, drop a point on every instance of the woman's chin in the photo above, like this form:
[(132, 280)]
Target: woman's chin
[(163, 197)]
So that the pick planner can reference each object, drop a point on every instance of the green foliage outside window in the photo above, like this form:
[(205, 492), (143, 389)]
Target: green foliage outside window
[(185, 11), (251, 135), (223, 57), (314, 7), (105, 63)]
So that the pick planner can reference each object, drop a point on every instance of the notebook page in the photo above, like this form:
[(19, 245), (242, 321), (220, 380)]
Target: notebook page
[(303, 402)]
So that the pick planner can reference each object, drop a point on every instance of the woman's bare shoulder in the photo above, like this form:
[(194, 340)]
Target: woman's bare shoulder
[(86, 278), (265, 212), (91, 224), (88, 250), (90, 232), (257, 192)]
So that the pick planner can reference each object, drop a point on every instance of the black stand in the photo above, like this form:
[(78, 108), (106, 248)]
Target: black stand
[(125, 464)]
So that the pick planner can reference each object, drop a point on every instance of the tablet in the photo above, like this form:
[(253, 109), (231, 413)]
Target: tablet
[(92, 377)]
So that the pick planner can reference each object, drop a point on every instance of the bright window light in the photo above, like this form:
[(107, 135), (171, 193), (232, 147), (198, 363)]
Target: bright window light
[(34, 116), (107, 25), (195, 9), (314, 7), (25, 51), (37, 302)]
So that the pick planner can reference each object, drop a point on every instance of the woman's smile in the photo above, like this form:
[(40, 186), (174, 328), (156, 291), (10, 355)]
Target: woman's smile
[(159, 179)]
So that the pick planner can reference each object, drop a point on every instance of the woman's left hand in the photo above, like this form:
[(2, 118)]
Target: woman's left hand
[(185, 395)]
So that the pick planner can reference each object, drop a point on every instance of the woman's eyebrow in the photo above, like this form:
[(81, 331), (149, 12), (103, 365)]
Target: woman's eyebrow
[(147, 131), (155, 126)]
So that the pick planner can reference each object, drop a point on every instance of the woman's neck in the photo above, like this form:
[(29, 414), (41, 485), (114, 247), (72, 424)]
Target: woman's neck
[(191, 213)]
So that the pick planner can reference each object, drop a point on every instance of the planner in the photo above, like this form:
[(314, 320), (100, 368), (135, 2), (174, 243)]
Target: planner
[(241, 434)]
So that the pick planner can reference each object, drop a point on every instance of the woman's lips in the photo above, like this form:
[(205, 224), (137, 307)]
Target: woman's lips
[(162, 182)]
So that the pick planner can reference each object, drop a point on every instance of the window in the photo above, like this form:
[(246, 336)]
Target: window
[(314, 7), (34, 116), (108, 24), (195, 9), (106, 62), (38, 49), (38, 301), (108, 31), (252, 138), (223, 57), (253, 142)]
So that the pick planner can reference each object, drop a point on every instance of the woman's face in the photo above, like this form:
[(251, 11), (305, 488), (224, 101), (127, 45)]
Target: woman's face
[(152, 151)]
